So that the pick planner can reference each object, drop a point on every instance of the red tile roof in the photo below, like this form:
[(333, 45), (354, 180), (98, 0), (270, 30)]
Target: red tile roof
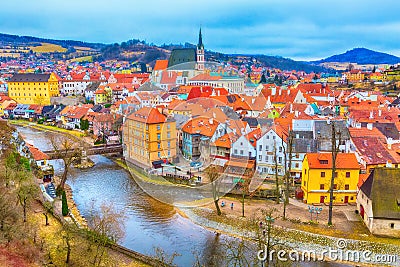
[(201, 125), (148, 115), (161, 65)]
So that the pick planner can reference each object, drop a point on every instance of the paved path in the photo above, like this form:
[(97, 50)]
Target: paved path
[(351, 215)]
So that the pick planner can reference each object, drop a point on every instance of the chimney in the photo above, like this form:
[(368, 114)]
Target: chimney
[(296, 113), (369, 126), (253, 100), (379, 113), (273, 90), (211, 120), (389, 142), (291, 108), (288, 91), (280, 91), (371, 115), (218, 92), (388, 163)]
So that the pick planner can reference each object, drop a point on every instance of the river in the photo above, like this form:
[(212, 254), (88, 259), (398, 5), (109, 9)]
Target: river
[(149, 223)]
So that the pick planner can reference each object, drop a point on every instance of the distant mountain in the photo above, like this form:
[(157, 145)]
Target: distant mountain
[(361, 56), (139, 51)]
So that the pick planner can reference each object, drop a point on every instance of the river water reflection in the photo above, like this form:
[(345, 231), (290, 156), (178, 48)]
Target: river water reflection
[(149, 223)]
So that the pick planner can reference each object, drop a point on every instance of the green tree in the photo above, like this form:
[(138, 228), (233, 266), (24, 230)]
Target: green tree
[(84, 125), (263, 79), (64, 204)]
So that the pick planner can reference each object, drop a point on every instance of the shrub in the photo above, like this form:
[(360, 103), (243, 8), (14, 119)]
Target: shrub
[(64, 204)]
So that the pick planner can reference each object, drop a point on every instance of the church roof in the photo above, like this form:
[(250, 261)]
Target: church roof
[(182, 55)]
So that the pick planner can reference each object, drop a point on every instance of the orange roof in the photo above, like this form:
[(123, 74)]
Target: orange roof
[(36, 153), (226, 140), (343, 161), (364, 132), (248, 164), (362, 178), (161, 64), (253, 136), (201, 125), (148, 115)]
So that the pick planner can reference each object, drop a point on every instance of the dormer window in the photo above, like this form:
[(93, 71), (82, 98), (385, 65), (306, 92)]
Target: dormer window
[(323, 161)]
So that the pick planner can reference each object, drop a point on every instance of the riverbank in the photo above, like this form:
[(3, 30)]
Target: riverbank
[(299, 233)]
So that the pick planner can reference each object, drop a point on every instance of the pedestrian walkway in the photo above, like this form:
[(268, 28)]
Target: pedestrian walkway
[(298, 203), (351, 216)]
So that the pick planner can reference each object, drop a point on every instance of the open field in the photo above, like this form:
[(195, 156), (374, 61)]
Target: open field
[(48, 48), (81, 59)]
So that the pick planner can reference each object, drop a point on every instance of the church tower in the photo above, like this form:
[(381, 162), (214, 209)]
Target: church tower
[(200, 53)]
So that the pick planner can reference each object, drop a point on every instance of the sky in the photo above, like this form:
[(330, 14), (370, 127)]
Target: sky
[(301, 30)]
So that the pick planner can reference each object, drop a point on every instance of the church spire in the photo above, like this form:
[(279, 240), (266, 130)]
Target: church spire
[(200, 44)]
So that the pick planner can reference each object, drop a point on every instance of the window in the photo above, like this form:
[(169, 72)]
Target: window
[(169, 144), (321, 186), (169, 153), (280, 149), (241, 152), (168, 126), (347, 174), (335, 186), (297, 165), (260, 157), (267, 136), (159, 146), (324, 161), (305, 183), (305, 172), (392, 225), (297, 155), (280, 160), (336, 175), (351, 198), (158, 136), (322, 174), (235, 151), (168, 134), (266, 148), (266, 158), (158, 127), (346, 187), (260, 148), (159, 154)]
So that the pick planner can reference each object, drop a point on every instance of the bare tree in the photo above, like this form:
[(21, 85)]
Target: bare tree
[(277, 192), (162, 256), (67, 150), (107, 227), (27, 191), (288, 169), (213, 176), (48, 209), (336, 140), (244, 188)]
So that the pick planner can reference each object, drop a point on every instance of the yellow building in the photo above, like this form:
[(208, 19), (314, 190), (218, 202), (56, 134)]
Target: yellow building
[(103, 95), (149, 136), (317, 173), (30, 88)]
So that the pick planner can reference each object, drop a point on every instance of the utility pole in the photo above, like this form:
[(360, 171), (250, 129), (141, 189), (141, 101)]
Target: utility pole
[(335, 151)]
